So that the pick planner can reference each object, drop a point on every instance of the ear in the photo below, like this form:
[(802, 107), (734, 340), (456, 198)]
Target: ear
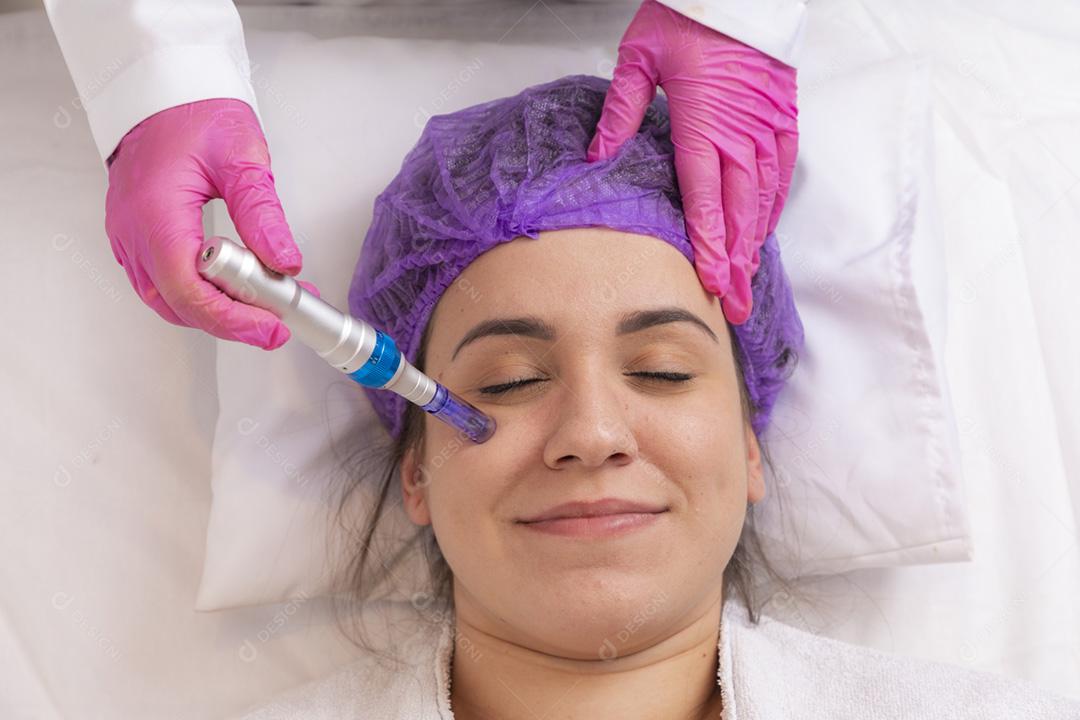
[(414, 489), (755, 476)]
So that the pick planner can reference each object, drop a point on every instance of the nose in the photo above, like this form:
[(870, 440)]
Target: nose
[(592, 426)]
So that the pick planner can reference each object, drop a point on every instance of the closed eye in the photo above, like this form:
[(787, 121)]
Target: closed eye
[(667, 377)]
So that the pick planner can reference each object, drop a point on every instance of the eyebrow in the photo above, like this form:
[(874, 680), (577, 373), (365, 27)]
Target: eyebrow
[(534, 327)]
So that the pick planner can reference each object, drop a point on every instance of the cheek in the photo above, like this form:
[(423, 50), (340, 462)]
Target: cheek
[(708, 427), (467, 479), (463, 501), (701, 448)]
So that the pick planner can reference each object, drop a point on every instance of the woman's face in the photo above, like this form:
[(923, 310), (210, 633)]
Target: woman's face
[(587, 426)]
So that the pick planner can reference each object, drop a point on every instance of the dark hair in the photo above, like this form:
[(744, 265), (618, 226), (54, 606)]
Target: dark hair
[(360, 585)]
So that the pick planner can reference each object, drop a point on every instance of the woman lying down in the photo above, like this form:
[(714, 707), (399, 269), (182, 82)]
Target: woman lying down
[(560, 297)]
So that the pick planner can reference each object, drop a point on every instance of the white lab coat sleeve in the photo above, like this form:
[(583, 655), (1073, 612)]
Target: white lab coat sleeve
[(132, 58), (775, 27)]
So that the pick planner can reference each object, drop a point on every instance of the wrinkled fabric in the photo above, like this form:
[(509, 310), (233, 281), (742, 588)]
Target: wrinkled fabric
[(515, 167)]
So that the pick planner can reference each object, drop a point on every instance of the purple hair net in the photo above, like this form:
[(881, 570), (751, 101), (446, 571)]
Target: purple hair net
[(514, 167)]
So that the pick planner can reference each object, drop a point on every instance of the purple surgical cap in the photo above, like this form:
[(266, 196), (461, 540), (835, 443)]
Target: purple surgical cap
[(513, 167)]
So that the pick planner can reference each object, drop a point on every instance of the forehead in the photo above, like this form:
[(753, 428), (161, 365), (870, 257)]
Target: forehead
[(576, 272)]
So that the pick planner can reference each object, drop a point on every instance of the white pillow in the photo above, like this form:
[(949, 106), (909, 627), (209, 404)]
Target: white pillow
[(863, 437)]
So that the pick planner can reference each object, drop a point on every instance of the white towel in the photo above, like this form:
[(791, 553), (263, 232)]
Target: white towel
[(768, 671), (774, 670)]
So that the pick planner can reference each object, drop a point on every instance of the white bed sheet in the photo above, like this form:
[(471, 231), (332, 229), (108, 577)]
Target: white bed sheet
[(108, 412)]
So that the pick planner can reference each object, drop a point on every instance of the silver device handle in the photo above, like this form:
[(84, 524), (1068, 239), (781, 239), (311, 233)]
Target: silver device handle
[(342, 340)]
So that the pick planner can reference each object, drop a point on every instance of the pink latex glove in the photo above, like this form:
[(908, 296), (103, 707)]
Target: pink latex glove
[(161, 174), (735, 131)]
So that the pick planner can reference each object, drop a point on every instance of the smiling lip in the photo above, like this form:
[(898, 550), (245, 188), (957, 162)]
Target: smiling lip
[(596, 526), (595, 509)]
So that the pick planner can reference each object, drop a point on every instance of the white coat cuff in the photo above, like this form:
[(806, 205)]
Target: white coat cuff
[(170, 76), (775, 27)]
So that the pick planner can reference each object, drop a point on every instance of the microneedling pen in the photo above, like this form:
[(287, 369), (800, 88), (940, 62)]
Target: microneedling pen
[(365, 354)]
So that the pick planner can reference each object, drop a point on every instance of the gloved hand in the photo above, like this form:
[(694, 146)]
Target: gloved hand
[(162, 173), (733, 123)]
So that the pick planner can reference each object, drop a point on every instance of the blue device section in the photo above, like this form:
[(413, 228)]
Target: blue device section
[(382, 364)]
